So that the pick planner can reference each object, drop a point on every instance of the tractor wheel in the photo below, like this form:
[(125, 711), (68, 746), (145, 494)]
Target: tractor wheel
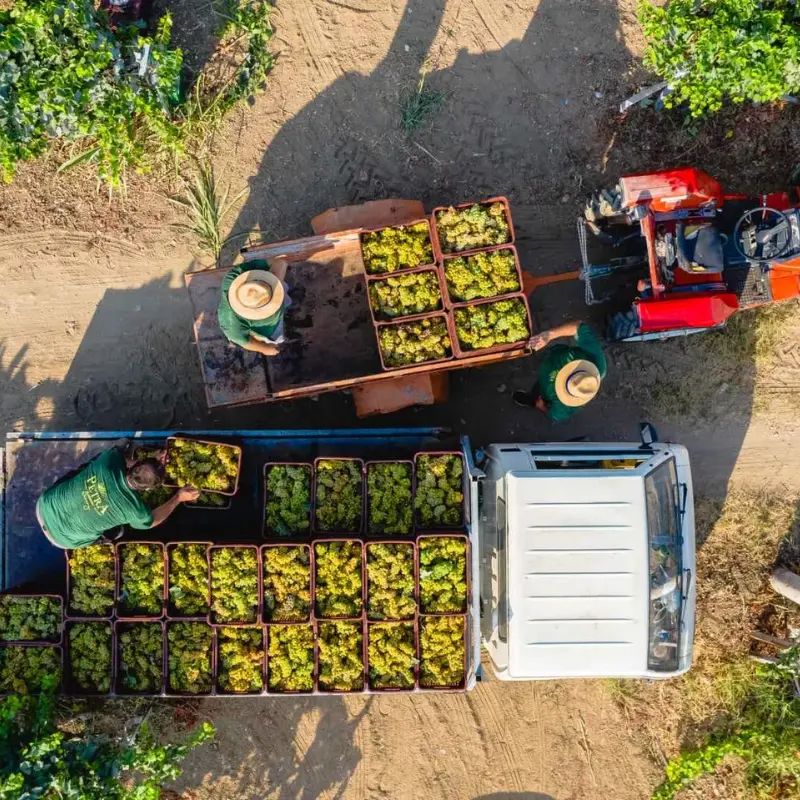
[(605, 203), (622, 325)]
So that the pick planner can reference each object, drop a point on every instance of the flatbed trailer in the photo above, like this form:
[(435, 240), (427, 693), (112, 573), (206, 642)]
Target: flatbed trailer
[(333, 346)]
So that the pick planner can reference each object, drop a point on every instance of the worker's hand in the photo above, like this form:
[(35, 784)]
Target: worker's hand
[(270, 349), (188, 494), (540, 340), (160, 455)]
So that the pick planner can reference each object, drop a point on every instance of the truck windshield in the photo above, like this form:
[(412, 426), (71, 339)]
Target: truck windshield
[(664, 552)]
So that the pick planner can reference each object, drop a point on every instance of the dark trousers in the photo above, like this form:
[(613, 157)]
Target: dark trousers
[(528, 398)]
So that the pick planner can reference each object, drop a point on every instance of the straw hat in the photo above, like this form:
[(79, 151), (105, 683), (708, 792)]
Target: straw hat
[(256, 294), (577, 383)]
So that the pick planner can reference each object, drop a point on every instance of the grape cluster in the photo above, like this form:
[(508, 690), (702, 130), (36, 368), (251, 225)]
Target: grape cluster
[(141, 657), (442, 575), (202, 465), (390, 581), (339, 495), (479, 225), (403, 295), (409, 343), (392, 655), (481, 275), (490, 324), (189, 657), (29, 619), (92, 580), (141, 579), (288, 503), (441, 651), (90, 655), (287, 584), (234, 584), (389, 502), (241, 658), (341, 654), (188, 579), (29, 670), (338, 579), (401, 247), (290, 662), (439, 498)]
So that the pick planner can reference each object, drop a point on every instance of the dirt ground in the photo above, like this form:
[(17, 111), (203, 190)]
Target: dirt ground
[(95, 334)]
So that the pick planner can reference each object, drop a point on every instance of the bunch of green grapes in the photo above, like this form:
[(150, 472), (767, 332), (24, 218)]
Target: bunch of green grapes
[(442, 575), (141, 579), (210, 499), (401, 247), (141, 657), (339, 495), (392, 655), (202, 465), (288, 502), (29, 670), (92, 580), (241, 659), (338, 579), (188, 579), (90, 656), (409, 343), (480, 225), (390, 581), (290, 658), (29, 619), (341, 654), (287, 584), (441, 651), (189, 657), (234, 584), (389, 501), (482, 326), (153, 498), (439, 499), (481, 275), (403, 295)]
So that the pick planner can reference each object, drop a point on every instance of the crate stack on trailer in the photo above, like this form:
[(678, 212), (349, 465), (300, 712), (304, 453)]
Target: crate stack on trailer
[(360, 583)]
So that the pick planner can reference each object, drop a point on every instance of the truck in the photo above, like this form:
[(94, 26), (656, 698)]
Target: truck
[(580, 557)]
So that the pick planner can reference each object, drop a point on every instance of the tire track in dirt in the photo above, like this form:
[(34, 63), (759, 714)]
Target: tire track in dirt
[(430, 730), (56, 241), (327, 66)]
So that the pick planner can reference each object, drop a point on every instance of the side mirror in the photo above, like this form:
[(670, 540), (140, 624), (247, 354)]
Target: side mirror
[(648, 434)]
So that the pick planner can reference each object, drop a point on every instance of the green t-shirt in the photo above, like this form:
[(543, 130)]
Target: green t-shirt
[(236, 328), (587, 347), (78, 510)]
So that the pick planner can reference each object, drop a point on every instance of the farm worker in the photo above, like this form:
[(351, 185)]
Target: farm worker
[(569, 375), (251, 309), (101, 495)]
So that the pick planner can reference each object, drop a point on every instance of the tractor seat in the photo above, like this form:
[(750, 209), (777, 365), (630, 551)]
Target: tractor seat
[(701, 251)]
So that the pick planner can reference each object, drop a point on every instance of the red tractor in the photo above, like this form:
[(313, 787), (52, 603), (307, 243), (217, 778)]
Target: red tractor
[(699, 254)]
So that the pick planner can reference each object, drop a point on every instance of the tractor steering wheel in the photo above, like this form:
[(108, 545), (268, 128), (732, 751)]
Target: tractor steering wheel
[(762, 234)]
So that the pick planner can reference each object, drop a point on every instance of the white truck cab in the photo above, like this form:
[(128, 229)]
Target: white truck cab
[(586, 559)]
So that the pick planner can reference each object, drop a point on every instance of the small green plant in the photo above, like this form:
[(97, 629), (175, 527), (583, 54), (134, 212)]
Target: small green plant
[(392, 655), (439, 499), (338, 579), (287, 584), (234, 584), (41, 759), (206, 209), (189, 657), (188, 580), (441, 651), (400, 247), (418, 105), (390, 507), (490, 324), (241, 659), (92, 580), (341, 654), (406, 343), (202, 464), (339, 495), (479, 225), (29, 670), (141, 572), (290, 659), (288, 499), (481, 275), (390, 581), (29, 619), (403, 295), (90, 656), (141, 657), (710, 51), (442, 575)]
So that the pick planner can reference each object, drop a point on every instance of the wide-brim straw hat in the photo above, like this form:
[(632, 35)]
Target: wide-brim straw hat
[(256, 294), (577, 382)]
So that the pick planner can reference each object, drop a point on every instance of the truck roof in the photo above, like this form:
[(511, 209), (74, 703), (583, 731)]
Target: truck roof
[(577, 574)]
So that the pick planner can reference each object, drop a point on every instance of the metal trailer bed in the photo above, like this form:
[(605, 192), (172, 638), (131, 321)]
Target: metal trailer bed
[(33, 461)]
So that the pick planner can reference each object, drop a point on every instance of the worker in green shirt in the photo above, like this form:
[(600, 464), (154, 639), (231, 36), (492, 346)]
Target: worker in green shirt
[(102, 495), (252, 306), (569, 375)]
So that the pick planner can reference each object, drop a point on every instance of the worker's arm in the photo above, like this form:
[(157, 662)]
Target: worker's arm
[(257, 346), (186, 494), (544, 338)]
